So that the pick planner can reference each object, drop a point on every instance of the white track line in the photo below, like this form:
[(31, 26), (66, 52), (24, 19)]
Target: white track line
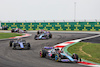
[(90, 37)]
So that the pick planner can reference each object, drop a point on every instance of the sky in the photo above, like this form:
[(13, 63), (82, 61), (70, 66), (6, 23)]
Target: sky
[(49, 10)]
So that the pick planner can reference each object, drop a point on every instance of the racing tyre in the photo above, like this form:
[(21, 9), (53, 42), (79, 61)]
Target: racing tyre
[(28, 45), (14, 46), (10, 43), (50, 36), (35, 37), (80, 59), (57, 58), (75, 56), (37, 32), (12, 31), (43, 53)]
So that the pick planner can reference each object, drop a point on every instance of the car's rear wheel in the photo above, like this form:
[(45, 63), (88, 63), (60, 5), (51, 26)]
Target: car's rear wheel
[(57, 58), (50, 35), (43, 53), (12, 30)]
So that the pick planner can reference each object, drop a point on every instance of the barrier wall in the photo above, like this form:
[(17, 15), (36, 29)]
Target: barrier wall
[(61, 26)]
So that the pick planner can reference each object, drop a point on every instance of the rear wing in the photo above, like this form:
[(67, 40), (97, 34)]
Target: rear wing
[(48, 47)]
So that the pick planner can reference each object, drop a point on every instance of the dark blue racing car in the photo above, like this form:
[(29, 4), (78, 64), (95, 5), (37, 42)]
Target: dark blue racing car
[(19, 44), (43, 35)]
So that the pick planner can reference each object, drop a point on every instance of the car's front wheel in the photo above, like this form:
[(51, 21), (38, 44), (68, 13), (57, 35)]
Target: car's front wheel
[(75, 56), (57, 58)]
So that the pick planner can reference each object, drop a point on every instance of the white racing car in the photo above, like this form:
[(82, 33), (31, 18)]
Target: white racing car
[(58, 55), (19, 44), (18, 30)]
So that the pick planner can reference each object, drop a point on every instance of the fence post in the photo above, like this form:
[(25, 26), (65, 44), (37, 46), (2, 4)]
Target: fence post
[(0, 25)]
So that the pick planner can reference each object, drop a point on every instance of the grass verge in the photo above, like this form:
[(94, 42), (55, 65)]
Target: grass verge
[(8, 35), (87, 51)]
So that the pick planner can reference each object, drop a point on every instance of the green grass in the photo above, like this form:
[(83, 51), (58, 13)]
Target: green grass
[(8, 35), (84, 49)]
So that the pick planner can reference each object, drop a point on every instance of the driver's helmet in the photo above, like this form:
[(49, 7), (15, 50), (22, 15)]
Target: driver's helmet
[(48, 31), (57, 49), (19, 39), (41, 31)]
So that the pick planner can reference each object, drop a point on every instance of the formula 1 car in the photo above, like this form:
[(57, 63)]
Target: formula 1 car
[(43, 35), (58, 55), (4, 27), (19, 44), (17, 30)]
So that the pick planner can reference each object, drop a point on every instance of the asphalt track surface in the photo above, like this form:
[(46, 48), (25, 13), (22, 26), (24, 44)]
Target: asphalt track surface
[(31, 58)]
